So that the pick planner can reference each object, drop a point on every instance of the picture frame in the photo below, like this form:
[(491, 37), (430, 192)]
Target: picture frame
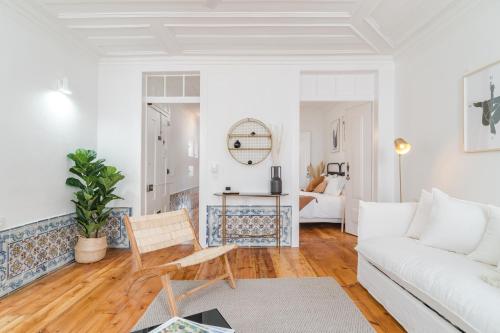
[(481, 130), (343, 129), (335, 135)]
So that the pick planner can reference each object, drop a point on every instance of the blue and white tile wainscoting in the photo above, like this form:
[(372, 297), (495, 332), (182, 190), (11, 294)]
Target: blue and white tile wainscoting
[(30, 251), (186, 199), (249, 220)]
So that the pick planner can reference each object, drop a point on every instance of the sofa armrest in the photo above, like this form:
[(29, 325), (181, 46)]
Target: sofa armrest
[(384, 219)]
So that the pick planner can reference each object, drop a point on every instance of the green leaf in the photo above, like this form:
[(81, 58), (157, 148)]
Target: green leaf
[(74, 182)]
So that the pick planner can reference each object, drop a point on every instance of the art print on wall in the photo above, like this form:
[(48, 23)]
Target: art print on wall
[(344, 141), (482, 109), (335, 135)]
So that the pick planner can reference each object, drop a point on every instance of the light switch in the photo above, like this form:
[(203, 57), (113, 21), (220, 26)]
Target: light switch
[(214, 167)]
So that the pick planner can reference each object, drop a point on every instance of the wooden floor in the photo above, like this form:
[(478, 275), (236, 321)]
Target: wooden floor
[(92, 298)]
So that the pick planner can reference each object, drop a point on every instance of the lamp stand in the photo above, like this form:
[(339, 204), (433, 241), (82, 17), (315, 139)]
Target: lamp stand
[(400, 186)]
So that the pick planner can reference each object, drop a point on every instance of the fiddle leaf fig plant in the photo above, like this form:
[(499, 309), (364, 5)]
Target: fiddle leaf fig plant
[(95, 183)]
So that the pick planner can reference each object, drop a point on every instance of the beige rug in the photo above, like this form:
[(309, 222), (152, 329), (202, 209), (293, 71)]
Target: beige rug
[(268, 305)]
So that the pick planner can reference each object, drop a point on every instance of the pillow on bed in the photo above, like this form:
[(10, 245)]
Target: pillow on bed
[(321, 187), (335, 185), (313, 183)]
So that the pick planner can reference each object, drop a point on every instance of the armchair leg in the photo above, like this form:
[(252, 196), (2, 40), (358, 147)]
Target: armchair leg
[(231, 281), (165, 280)]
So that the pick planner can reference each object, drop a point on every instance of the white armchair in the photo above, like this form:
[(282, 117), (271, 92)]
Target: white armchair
[(384, 219)]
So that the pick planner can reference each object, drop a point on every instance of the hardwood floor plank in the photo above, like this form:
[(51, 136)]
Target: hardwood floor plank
[(94, 298)]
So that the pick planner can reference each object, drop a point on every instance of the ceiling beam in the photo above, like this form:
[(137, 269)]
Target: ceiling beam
[(204, 14), (167, 38)]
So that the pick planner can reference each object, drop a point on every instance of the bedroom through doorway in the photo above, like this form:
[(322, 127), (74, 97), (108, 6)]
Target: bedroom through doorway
[(336, 162)]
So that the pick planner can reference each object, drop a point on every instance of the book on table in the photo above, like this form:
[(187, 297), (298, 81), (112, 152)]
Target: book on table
[(181, 325)]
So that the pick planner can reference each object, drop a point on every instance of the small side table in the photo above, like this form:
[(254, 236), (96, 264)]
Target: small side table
[(276, 235)]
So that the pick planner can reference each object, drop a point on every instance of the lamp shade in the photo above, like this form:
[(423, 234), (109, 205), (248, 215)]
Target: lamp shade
[(401, 146)]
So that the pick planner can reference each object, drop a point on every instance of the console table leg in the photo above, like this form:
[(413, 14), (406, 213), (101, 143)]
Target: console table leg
[(278, 223), (224, 222)]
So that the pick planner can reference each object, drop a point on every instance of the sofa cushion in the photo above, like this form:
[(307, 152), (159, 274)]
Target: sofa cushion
[(448, 282), (422, 215), (488, 250), (455, 225)]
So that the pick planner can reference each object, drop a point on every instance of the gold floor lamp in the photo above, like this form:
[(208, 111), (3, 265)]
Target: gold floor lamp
[(402, 147)]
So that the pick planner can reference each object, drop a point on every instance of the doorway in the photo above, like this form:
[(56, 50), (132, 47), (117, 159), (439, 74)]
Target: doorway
[(338, 134), (170, 146)]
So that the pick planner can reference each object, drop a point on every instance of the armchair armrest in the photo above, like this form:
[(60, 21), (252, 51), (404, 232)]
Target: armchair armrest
[(384, 219)]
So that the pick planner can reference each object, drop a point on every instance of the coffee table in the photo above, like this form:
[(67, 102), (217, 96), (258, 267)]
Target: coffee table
[(211, 317)]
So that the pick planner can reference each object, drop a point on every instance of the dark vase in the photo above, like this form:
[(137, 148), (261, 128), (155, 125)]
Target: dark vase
[(237, 144), (276, 180)]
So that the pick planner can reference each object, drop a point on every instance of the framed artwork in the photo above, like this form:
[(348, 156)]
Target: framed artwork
[(343, 124), (482, 109), (335, 135)]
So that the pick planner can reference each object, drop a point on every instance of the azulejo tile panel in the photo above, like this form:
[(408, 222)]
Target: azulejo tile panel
[(35, 249), (248, 220), (186, 199)]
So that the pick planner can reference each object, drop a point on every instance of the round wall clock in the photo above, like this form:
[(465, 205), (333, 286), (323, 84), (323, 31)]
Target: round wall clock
[(249, 141)]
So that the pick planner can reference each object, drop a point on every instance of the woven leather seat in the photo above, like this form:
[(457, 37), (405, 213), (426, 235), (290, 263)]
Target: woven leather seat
[(154, 232)]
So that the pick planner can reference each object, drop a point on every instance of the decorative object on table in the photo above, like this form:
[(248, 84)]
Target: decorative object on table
[(482, 109), (96, 183), (276, 184), (249, 141), (402, 148), (335, 135), (228, 191), (159, 231)]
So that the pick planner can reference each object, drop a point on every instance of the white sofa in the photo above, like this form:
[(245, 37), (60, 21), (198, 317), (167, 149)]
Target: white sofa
[(425, 289)]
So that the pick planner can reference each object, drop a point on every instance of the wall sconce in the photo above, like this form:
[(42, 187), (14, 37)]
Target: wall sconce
[(63, 87)]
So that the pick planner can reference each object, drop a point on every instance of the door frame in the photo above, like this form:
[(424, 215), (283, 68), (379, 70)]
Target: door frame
[(375, 123), (373, 147), (144, 114)]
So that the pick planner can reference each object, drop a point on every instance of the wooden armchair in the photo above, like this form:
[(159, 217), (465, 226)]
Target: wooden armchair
[(154, 232)]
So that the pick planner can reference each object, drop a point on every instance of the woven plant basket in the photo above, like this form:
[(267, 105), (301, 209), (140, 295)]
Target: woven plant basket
[(89, 250)]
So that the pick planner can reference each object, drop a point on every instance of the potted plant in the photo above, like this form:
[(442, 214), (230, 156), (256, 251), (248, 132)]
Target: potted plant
[(95, 183)]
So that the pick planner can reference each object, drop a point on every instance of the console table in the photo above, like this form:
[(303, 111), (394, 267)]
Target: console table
[(277, 232)]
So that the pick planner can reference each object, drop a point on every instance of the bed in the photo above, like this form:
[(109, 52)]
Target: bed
[(323, 207)]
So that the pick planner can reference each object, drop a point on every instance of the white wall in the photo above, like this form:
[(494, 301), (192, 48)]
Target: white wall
[(183, 132), (231, 89), (39, 126), (313, 120), (430, 107)]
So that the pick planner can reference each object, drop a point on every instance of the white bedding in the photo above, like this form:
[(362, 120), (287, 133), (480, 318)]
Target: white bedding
[(326, 206)]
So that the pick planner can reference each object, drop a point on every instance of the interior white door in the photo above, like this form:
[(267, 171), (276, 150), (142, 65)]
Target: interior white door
[(157, 194), (359, 136), (305, 157)]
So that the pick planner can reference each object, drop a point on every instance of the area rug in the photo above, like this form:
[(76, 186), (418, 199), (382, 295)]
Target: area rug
[(268, 305)]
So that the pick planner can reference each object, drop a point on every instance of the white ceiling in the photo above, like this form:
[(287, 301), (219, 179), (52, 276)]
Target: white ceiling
[(245, 27)]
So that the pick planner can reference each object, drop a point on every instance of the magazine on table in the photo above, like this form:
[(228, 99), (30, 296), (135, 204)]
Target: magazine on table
[(181, 325)]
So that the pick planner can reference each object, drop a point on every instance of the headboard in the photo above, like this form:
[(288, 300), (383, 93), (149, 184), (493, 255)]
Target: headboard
[(339, 171)]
